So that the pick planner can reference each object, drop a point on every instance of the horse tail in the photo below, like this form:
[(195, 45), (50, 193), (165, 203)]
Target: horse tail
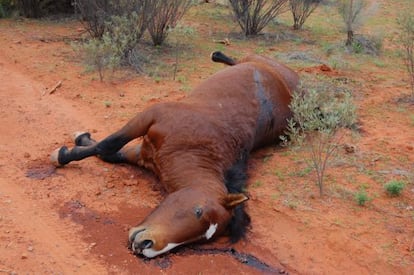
[(222, 58)]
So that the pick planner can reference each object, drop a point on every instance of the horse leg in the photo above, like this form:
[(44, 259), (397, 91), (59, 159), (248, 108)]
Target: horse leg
[(127, 154), (108, 148)]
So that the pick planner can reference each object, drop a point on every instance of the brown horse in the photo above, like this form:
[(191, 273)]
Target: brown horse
[(198, 148)]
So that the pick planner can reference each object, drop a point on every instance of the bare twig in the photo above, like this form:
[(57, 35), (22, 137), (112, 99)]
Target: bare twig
[(225, 41), (54, 88)]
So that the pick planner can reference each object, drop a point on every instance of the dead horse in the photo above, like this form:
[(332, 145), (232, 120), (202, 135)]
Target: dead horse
[(198, 147)]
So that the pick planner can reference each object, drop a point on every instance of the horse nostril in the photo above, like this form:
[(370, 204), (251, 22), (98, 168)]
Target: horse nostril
[(136, 247), (145, 244), (133, 233)]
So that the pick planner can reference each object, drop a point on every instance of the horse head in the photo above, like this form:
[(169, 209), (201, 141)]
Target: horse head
[(184, 216)]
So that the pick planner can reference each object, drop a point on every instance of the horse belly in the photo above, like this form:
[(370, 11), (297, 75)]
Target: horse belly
[(273, 104)]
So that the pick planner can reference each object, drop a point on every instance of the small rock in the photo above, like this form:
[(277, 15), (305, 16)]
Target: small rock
[(24, 256), (30, 248), (26, 155), (90, 246)]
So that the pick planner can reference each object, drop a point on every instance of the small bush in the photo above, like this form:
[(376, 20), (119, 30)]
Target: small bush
[(351, 12), (394, 188), (166, 14), (116, 46), (318, 113), (366, 45), (301, 10), (123, 33), (406, 23), (361, 197), (99, 55), (95, 14), (254, 15)]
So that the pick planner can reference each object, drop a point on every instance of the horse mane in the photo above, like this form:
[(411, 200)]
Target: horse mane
[(235, 179)]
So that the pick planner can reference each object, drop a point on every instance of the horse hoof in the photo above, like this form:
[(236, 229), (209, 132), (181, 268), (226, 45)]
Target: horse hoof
[(54, 158), (77, 134)]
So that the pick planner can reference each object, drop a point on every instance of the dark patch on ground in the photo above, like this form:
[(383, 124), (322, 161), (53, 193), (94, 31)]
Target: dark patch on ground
[(106, 234), (40, 172), (241, 257)]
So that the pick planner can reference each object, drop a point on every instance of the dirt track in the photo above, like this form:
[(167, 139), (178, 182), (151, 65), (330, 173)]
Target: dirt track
[(29, 226)]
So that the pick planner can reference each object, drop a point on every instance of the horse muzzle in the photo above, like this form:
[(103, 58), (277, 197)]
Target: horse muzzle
[(140, 244), (136, 241)]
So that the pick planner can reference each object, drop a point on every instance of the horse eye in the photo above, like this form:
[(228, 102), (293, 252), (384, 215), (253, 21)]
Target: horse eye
[(198, 212)]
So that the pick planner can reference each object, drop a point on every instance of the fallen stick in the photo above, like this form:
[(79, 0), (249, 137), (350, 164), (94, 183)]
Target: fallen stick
[(53, 89), (225, 41)]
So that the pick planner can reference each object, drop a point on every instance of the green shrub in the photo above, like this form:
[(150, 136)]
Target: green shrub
[(357, 47), (116, 47), (95, 14), (99, 55), (318, 112), (122, 33), (394, 188), (361, 197)]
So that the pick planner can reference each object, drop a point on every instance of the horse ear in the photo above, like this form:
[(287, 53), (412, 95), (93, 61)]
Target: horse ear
[(232, 200)]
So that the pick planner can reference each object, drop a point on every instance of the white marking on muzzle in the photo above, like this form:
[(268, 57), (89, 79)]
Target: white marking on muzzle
[(151, 253), (211, 230)]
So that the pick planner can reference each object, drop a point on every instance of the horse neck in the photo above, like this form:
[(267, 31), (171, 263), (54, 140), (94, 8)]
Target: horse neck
[(197, 178)]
